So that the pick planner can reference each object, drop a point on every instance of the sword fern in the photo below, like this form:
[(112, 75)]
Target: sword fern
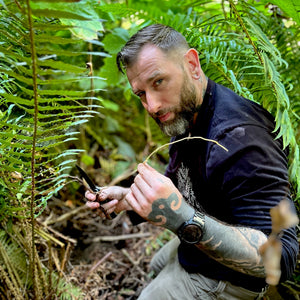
[(42, 103)]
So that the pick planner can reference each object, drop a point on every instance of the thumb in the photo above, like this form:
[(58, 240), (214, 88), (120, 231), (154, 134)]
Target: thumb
[(113, 192)]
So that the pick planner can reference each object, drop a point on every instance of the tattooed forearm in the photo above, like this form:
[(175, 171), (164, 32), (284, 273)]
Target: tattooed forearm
[(170, 213), (234, 247)]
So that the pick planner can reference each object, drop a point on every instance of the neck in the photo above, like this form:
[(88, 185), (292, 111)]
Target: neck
[(201, 86)]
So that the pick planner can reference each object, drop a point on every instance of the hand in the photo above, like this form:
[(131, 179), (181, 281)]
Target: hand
[(155, 198), (114, 193)]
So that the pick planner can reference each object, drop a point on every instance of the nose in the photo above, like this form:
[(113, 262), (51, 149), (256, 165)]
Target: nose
[(153, 103)]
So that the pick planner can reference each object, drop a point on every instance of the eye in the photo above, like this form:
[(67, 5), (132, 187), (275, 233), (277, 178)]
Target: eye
[(158, 82), (140, 94)]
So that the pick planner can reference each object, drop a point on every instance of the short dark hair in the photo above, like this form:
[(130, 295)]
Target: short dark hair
[(164, 37)]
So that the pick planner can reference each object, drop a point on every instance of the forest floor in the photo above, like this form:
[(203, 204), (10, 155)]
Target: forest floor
[(109, 259)]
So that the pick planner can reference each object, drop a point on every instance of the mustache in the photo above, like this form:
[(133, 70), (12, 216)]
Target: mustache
[(162, 112)]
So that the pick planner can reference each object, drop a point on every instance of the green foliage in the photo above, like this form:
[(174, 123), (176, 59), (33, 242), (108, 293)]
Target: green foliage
[(47, 94), (42, 67), (41, 99), (290, 7)]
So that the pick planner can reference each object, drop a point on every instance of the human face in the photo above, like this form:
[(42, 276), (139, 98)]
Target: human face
[(165, 89)]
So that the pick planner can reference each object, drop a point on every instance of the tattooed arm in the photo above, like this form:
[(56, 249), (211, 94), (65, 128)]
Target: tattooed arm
[(155, 198), (234, 247)]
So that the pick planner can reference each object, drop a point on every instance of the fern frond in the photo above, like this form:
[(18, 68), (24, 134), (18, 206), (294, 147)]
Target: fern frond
[(252, 69), (42, 104)]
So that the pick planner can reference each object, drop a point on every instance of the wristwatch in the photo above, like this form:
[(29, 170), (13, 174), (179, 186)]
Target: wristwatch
[(191, 231)]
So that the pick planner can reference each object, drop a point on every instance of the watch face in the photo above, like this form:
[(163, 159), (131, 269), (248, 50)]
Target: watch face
[(192, 234)]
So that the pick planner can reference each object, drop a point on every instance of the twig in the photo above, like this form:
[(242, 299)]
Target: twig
[(66, 215), (186, 138), (135, 263), (66, 256), (129, 173), (120, 237), (113, 222), (50, 266), (48, 237), (56, 261), (93, 268), (118, 262), (73, 241)]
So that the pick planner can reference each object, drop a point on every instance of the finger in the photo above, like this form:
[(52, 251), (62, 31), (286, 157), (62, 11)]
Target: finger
[(123, 205), (137, 193), (90, 196), (148, 174), (152, 172), (112, 192), (157, 183), (142, 184), (144, 167), (144, 194), (139, 202), (111, 210), (131, 200), (92, 205), (109, 205)]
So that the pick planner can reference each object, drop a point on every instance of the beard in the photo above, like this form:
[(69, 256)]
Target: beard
[(184, 112)]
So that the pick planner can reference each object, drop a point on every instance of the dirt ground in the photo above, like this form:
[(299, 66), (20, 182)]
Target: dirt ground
[(109, 259)]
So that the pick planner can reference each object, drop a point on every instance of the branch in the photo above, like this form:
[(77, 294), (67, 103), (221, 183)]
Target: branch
[(186, 138), (119, 237)]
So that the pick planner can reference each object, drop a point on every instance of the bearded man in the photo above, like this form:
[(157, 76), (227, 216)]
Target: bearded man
[(217, 202)]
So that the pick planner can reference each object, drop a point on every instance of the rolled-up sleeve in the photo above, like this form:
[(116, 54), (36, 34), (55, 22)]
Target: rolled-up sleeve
[(253, 177)]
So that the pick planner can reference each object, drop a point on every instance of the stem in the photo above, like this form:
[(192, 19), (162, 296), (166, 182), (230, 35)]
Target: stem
[(260, 57), (165, 145), (186, 138), (91, 74), (252, 44), (245, 30), (223, 8), (35, 120)]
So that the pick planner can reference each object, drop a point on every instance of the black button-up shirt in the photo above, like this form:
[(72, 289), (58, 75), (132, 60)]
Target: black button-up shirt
[(238, 186)]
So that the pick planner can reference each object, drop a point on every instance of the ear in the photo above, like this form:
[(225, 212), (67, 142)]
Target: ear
[(192, 63)]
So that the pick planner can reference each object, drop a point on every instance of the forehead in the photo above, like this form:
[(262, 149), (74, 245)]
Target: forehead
[(150, 62), (150, 52)]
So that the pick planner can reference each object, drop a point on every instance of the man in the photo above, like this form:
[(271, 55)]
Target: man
[(217, 202)]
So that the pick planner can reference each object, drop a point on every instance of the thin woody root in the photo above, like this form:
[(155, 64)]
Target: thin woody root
[(186, 138), (171, 143)]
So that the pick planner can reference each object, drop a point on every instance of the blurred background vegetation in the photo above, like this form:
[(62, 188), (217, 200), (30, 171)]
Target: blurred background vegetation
[(63, 102)]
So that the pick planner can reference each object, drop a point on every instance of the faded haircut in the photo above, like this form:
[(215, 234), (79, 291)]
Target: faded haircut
[(164, 37)]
